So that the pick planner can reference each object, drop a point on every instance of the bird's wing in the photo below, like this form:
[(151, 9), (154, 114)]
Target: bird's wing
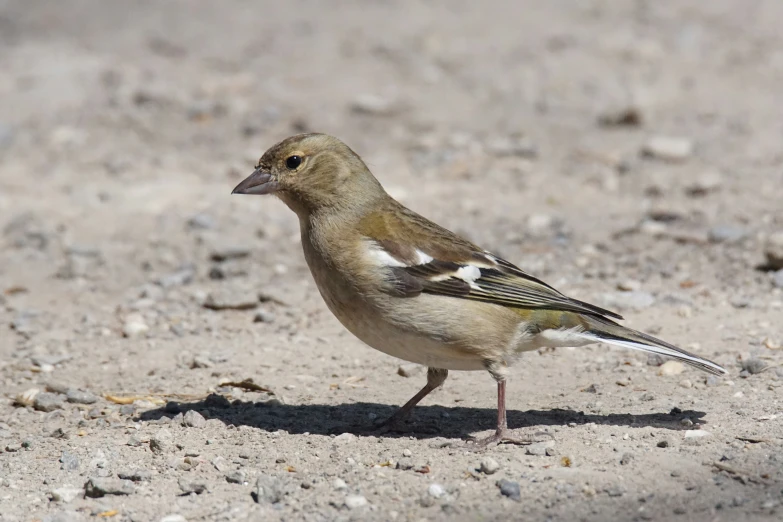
[(421, 257)]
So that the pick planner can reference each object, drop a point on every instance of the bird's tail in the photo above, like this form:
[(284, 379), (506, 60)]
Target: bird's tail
[(604, 330)]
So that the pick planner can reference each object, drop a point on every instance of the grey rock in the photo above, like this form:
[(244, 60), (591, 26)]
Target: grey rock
[(436, 490), (127, 409), (264, 316), (65, 495), (97, 487), (161, 441), (355, 501), (667, 148), (539, 449), (194, 419), (268, 490), (773, 250), (626, 459), (225, 253), (614, 491), (663, 443), (489, 466), (236, 477), (754, 365), (226, 299), (80, 397), (638, 300), (188, 486), (740, 301), (182, 276), (202, 221), (409, 369), (69, 461), (726, 234), (655, 359), (777, 278), (373, 105), (54, 360), (24, 322), (13, 447), (136, 475), (626, 116), (510, 489)]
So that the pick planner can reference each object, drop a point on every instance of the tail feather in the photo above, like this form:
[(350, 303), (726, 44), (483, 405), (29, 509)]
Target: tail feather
[(604, 330)]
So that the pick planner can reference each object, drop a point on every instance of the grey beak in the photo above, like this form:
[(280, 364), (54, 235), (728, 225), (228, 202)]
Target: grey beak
[(258, 182)]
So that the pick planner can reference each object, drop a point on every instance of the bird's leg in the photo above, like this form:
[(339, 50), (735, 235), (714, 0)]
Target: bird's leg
[(435, 377), (502, 433)]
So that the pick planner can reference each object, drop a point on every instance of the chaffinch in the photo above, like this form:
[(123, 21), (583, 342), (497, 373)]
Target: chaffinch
[(414, 290)]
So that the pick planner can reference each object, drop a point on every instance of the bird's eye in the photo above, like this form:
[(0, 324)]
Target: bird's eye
[(293, 162)]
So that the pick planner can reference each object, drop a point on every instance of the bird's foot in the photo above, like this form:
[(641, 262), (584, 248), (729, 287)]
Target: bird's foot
[(505, 436)]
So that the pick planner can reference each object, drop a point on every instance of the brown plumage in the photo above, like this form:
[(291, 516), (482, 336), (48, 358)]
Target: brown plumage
[(412, 289)]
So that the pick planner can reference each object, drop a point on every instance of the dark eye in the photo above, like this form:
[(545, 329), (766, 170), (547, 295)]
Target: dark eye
[(293, 162)]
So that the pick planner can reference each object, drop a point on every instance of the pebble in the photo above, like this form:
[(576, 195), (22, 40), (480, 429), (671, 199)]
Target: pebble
[(183, 276), (696, 434), (231, 300), (66, 494), (220, 464), (355, 501), (671, 368), (489, 466), (194, 419), (52, 360), (634, 300), (409, 370), (136, 475), (655, 359), (13, 447), (773, 250), (46, 401), (269, 490), (345, 438), (541, 449), (69, 461), (174, 518), (161, 441), (663, 443), (134, 441), (127, 409), (97, 487), (436, 491), (374, 105), (626, 459), (685, 383), (339, 484), (264, 316), (236, 477), (202, 221), (225, 253), (80, 397), (134, 326), (704, 184), (668, 148), (407, 453), (777, 278), (627, 116), (188, 486), (629, 285), (726, 234), (754, 365), (510, 489)]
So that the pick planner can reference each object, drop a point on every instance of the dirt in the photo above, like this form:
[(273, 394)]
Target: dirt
[(626, 152)]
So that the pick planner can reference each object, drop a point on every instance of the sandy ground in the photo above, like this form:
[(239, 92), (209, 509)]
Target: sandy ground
[(627, 152)]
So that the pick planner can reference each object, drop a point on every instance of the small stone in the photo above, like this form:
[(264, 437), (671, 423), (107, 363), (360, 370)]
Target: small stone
[(655, 359), (226, 299), (628, 116), (593, 388), (236, 477), (510, 489), (629, 285), (220, 464), (339, 484), (671, 368), (740, 301), (161, 441), (13, 447), (182, 276), (128, 409), (647, 397), (134, 441), (666, 148), (635, 300), (345, 438), (773, 250), (264, 316), (436, 490), (489, 466), (355, 501), (539, 449), (69, 461), (173, 518), (191, 486), (626, 459), (97, 487), (269, 490), (686, 422), (663, 443), (46, 401), (754, 365), (202, 221), (696, 434), (704, 184), (194, 419), (614, 491), (225, 253), (409, 370), (136, 475), (80, 397), (726, 234), (373, 105), (685, 383), (65, 495), (134, 326)]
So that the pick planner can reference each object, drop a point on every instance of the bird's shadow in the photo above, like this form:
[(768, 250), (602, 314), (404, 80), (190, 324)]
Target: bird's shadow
[(424, 422)]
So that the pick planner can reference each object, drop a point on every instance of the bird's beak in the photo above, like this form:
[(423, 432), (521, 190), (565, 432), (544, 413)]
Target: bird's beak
[(258, 182)]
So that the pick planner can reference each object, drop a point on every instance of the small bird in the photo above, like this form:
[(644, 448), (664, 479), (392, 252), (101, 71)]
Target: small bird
[(416, 291)]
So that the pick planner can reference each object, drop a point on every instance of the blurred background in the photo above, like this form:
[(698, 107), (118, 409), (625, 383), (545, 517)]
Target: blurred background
[(627, 151)]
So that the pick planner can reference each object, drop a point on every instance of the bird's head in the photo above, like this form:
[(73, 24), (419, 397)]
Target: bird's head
[(312, 172)]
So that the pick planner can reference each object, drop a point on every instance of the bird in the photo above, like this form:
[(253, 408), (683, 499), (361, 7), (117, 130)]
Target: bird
[(414, 290)]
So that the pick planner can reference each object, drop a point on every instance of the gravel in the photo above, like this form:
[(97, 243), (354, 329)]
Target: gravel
[(97, 487)]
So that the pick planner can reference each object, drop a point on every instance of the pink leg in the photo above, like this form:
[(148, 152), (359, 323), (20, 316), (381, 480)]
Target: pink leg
[(435, 378)]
